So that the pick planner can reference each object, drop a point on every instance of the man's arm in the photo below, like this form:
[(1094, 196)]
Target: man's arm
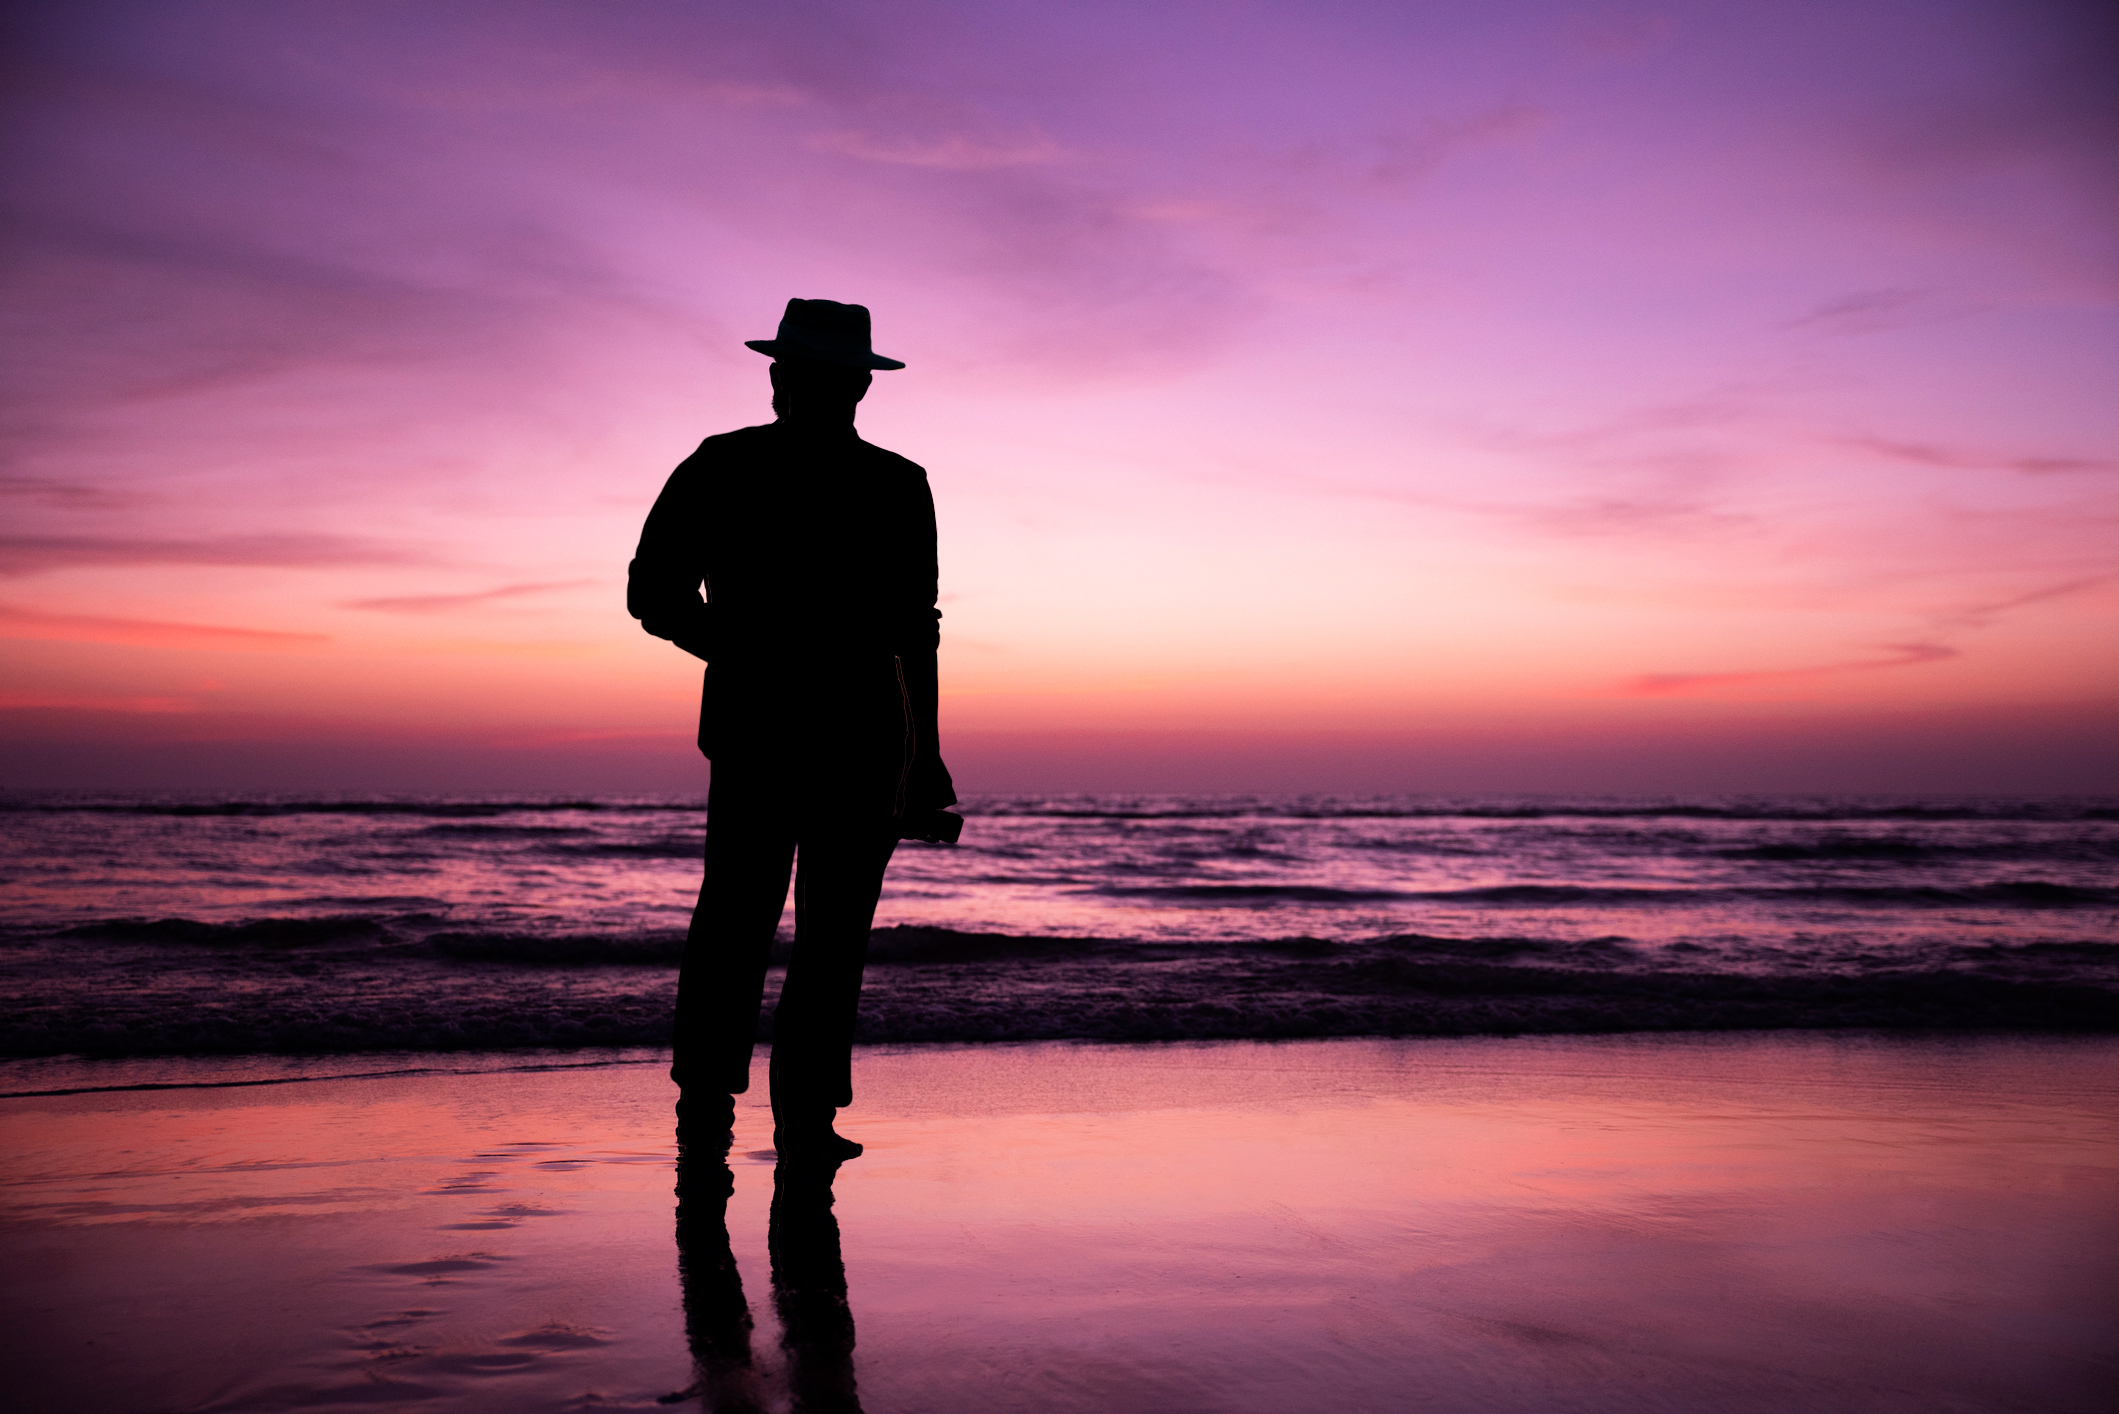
[(662, 583), (919, 634), (929, 786)]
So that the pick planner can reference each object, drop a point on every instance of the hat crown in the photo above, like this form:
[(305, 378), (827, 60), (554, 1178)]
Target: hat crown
[(842, 328), (828, 314)]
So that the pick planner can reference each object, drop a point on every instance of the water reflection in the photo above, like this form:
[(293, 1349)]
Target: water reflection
[(809, 1290), (809, 1287), (717, 1321)]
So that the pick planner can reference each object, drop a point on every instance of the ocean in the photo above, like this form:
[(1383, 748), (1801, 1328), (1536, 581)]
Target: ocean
[(179, 926)]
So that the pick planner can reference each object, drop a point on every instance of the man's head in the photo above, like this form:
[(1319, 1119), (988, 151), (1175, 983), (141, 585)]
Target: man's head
[(821, 361), (810, 390)]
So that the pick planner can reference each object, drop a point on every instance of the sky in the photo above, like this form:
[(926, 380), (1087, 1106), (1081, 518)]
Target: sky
[(1496, 396)]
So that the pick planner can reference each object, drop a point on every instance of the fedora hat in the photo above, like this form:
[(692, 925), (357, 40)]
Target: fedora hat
[(824, 330)]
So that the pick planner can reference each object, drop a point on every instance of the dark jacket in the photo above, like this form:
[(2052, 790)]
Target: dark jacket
[(819, 626)]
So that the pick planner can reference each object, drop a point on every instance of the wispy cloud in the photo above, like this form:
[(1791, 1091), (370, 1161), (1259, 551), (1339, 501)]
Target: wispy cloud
[(955, 152), (1903, 655), (1981, 615), (443, 603), (63, 495), (1660, 515), (1935, 455), (148, 633), (1863, 312), (18, 700), (1408, 156), (1617, 34), (32, 554)]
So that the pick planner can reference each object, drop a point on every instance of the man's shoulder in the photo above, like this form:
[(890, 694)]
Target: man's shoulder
[(751, 444), (884, 458), (721, 448), (740, 439)]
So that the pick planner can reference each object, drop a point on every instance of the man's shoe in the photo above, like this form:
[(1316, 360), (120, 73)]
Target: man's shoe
[(823, 1144)]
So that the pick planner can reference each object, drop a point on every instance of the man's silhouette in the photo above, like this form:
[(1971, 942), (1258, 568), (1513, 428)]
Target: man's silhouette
[(819, 628)]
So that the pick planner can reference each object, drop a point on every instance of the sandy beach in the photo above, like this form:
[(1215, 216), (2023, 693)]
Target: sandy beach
[(1738, 1222)]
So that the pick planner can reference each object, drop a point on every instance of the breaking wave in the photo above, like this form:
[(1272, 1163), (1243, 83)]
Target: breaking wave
[(2023, 893), (366, 984)]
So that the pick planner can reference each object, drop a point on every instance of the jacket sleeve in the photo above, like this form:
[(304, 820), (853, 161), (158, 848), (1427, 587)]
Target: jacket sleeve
[(914, 626), (918, 635), (662, 583)]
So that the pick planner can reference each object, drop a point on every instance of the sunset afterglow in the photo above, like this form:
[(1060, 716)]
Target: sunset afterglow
[(1437, 397)]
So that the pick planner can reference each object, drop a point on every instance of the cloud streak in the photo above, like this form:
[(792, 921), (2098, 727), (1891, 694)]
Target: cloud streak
[(1903, 655), (63, 495), (13, 700), (955, 153), (34, 554), (18, 622), (1961, 458), (1982, 615), (446, 603), (1863, 312)]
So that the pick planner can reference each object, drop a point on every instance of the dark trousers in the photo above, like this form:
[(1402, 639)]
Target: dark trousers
[(758, 829)]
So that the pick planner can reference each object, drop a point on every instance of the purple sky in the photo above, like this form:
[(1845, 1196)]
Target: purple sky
[(1445, 397)]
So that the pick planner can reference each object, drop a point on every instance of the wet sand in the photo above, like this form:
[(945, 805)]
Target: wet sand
[(1795, 1221)]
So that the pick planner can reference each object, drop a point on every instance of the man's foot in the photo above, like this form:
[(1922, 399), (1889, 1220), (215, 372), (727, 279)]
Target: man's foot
[(814, 1142), (706, 1119)]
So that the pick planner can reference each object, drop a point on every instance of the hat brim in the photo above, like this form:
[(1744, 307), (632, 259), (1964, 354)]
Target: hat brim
[(774, 348)]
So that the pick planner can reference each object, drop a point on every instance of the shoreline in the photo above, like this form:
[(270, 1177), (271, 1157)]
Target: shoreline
[(57, 1077)]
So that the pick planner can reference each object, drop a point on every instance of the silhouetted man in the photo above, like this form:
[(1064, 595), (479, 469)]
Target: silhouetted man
[(819, 628)]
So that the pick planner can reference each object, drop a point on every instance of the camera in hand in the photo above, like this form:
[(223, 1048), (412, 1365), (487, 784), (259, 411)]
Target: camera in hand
[(932, 826)]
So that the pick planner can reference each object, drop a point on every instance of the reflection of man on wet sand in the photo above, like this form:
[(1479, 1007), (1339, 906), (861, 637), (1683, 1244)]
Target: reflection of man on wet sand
[(809, 1289), (817, 555)]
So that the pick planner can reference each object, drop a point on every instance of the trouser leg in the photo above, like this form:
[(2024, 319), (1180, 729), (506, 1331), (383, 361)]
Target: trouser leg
[(749, 852), (838, 878)]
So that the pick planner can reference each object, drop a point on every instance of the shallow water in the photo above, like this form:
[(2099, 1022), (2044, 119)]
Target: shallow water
[(213, 926), (1741, 1223), (1746, 878)]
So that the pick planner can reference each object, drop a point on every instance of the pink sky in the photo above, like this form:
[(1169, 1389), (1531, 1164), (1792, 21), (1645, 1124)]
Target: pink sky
[(1456, 397)]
